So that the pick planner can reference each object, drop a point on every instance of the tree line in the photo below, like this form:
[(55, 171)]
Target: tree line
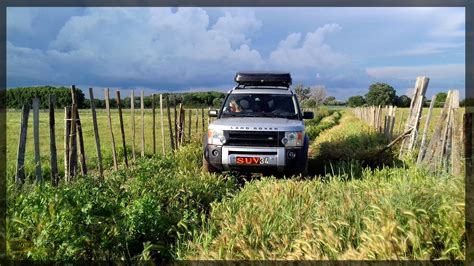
[(16, 97), (383, 94)]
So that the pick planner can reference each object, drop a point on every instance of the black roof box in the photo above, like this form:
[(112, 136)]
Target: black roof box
[(263, 78)]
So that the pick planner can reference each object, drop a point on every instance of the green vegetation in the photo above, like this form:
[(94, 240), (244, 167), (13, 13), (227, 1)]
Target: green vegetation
[(386, 212), (355, 101), (390, 213), (440, 99), (18, 96), (380, 94), (133, 214), (348, 148), (322, 122), (362, 204), (13, 130)]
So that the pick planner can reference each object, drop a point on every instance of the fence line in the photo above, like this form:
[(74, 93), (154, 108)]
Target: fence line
[(74, 148), (443, 150), (52, 141), (96, 133)]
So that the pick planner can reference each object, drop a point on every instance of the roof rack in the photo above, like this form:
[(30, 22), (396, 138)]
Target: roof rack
[(281, 79), (266, 86)]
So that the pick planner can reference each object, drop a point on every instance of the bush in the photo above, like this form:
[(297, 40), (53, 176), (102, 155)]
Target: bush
[(313, 130), (132, 214)]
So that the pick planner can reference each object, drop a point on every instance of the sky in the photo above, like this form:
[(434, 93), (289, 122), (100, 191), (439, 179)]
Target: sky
[(198, 49)]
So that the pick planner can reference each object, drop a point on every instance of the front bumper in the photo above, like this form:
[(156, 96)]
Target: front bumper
[(224, 158)]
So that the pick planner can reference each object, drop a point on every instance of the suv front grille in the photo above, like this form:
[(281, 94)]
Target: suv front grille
[(254, 138)]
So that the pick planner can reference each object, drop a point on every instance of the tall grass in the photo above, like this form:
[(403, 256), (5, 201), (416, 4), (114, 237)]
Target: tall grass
[(364, 206), (391, 213), (349, 147)]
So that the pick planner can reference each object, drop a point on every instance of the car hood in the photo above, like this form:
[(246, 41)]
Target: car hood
[(257, 124)]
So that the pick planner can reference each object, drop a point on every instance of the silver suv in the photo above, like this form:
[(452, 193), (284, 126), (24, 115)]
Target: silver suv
[(259, 128)]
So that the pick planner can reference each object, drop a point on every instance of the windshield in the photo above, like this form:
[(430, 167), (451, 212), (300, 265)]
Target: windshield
[(260, 105)]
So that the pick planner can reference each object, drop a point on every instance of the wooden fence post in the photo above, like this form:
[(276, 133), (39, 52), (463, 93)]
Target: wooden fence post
[(189, 125), (197, 121), (456, 140), (434, 148), (392, 123), (176, 125), (422, 151), (202, 120), (52, 142), (142, 105), (20, 161), (469, 181), (162, 125), (154, 123), (122, 130), (67, 131), (81, 144), (169, 123), (73, 138), (208, 117), (109, 119), (36, 105), (413, 121), (181, 125), (96, 133), (132, 114)]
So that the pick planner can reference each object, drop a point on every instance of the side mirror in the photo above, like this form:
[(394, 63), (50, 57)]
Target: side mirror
[(213, 113), (308, 115)]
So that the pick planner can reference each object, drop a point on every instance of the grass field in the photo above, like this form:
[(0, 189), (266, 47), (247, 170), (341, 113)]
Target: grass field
[(387, 212), (13, 132), (360, 205)]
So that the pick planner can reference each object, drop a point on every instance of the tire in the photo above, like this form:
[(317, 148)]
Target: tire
[(207, 167)]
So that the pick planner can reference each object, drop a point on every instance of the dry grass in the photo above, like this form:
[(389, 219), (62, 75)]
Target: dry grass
[(386, 213)]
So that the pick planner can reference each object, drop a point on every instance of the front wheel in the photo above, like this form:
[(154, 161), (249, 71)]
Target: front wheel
[(207, 167)]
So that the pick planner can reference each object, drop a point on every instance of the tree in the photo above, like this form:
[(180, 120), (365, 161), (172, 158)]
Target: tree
[(440, 99), (330, 100), (355, 101), (318, 94), (380, 94), (403, 101), (301, 92), (217, 102), (309, 103), (16, 97)]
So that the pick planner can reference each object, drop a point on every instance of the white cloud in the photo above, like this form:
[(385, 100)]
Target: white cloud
[(430, 48), (198, 48), (236, 28), (145, 46), (441, 71), (312, 52)]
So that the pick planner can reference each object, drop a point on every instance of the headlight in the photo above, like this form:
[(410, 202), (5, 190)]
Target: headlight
[(293, 139), (215, 137)]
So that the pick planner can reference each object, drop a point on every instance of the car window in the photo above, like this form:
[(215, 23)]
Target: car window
[(275, 105)]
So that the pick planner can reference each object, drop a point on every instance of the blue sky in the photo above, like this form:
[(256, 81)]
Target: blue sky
[(171, 49)]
